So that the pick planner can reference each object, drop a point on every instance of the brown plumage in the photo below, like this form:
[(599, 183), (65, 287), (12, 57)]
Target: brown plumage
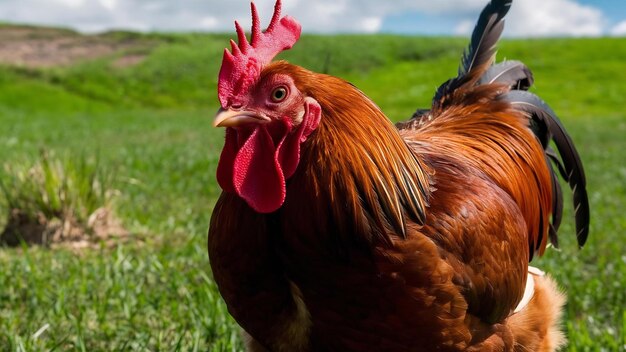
[(415, 238)]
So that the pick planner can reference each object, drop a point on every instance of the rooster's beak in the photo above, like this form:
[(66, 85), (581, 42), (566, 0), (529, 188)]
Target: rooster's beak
[(235, 118)]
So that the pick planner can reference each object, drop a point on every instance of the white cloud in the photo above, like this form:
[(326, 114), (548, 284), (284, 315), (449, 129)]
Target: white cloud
[(208, 22), (320, 16), (540, 18), (465, 27), (70, 3), (368, 16), (554, 18), (109, 4), (371, 24), (527, 17), (619, 30)]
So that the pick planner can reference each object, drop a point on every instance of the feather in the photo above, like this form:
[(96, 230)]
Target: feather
[(555, 159), (485, 36), (557, 206), (481, 51), (413, 192), (542, 133), (512, 73), (542, 114)]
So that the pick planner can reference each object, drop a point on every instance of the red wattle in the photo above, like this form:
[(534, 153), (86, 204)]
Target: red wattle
[(227, 158), (257, 175), (255, 166)]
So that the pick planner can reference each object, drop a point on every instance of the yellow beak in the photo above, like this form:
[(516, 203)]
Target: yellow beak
[(235, 118)]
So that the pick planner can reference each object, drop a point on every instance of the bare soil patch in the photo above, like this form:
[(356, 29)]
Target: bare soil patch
[(102, 226), (49, 47)]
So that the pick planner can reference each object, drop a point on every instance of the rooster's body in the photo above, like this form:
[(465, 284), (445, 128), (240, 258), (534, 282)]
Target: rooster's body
[(414, 238)]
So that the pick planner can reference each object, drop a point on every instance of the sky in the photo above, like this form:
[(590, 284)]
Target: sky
[(527, 18)]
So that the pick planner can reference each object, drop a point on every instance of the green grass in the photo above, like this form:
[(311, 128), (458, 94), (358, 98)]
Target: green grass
[(151, 124), (56, 187)]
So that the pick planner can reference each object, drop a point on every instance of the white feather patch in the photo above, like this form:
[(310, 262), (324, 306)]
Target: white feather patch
[(529, 291)]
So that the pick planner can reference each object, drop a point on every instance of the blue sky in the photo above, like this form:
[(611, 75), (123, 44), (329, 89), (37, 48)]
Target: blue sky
[(612, 13), (434, 17), (420, 22), (615, 10)]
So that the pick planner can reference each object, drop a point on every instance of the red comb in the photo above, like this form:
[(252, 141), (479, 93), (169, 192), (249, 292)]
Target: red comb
[(242, 68)]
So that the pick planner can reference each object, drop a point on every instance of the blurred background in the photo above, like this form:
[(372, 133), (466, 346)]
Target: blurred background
[(108, 157)]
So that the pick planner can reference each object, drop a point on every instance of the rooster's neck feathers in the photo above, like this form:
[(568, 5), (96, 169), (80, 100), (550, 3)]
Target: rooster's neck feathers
[(358, 163)]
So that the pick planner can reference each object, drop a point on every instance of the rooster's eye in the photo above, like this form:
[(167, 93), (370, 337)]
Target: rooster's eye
[(279, 94)]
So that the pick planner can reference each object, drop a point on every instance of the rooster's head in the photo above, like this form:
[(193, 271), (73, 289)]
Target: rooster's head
[(265, 114)]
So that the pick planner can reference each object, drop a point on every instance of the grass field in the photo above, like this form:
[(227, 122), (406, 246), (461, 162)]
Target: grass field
[(150, 124)]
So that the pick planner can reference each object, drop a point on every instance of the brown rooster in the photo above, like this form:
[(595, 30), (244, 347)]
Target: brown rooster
[(338, 231)]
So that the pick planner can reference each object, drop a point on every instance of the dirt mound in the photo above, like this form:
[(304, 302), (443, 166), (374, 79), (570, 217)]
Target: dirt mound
[(48, 47), (102, 226)]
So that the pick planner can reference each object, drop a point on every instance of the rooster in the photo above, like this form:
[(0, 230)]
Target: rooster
[(338, 231)]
